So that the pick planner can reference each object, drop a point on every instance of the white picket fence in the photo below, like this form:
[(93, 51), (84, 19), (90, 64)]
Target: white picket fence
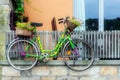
[(106, 44)]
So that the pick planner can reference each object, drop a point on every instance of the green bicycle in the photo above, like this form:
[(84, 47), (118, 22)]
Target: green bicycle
[(28, 51)]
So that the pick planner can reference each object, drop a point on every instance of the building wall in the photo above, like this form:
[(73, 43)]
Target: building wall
[(44, 11), (62, 73), (4, 24)]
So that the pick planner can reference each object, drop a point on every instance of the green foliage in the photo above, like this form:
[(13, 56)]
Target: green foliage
[(109, 24), (75, 21), (25, 25), (19, 13), (112, 24), (19, 10), (92, 24)]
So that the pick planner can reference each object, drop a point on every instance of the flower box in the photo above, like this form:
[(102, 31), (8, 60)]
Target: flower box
[(23, 32)]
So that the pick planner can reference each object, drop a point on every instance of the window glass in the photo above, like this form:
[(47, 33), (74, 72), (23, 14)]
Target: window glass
[(91, 14), (112, 14)]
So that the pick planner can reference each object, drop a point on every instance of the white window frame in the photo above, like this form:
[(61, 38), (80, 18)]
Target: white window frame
[(79, 12)]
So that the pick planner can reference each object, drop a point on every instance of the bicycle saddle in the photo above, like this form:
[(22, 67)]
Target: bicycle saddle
[(36, 24)]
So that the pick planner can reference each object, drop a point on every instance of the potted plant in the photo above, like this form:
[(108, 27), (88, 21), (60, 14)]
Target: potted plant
[(72, 23), (24, 28)]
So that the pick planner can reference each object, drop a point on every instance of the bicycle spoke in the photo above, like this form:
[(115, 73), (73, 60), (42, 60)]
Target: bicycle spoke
[(16, 54), (76, 58)]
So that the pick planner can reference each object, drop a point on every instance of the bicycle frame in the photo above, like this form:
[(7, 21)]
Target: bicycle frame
[(63, 39)]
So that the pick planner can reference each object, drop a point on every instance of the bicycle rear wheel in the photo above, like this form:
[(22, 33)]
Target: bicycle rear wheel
[(17, 51), (80, 58)]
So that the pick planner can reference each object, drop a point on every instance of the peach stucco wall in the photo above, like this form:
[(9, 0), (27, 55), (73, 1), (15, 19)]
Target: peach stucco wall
[(44, 11)]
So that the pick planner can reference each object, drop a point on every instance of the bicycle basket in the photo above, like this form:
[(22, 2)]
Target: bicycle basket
[(72, 23), (23, 32), (71, 26)]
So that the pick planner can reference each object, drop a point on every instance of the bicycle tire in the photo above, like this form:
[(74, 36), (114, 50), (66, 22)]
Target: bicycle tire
[(77, 62), (18, 61)]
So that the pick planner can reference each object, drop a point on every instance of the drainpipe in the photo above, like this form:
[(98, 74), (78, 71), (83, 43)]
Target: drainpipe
[(101, 15), (79, 12)]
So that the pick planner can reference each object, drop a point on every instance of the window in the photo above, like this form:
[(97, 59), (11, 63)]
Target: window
[(91, 14), (112, 14)]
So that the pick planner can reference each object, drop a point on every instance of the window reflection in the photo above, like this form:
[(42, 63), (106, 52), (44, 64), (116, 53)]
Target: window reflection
[(91, 14), (112, 14)]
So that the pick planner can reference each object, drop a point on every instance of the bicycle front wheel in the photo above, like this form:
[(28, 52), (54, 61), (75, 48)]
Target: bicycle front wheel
[(80, 58), (17, 51)]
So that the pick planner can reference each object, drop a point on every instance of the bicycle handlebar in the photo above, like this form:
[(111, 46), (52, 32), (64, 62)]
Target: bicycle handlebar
[(63, 20), (60, 19)]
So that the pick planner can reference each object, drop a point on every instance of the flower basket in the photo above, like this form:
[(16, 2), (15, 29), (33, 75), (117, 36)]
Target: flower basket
[(24, 29), (23, 32), (72, 23), (71, 26)]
